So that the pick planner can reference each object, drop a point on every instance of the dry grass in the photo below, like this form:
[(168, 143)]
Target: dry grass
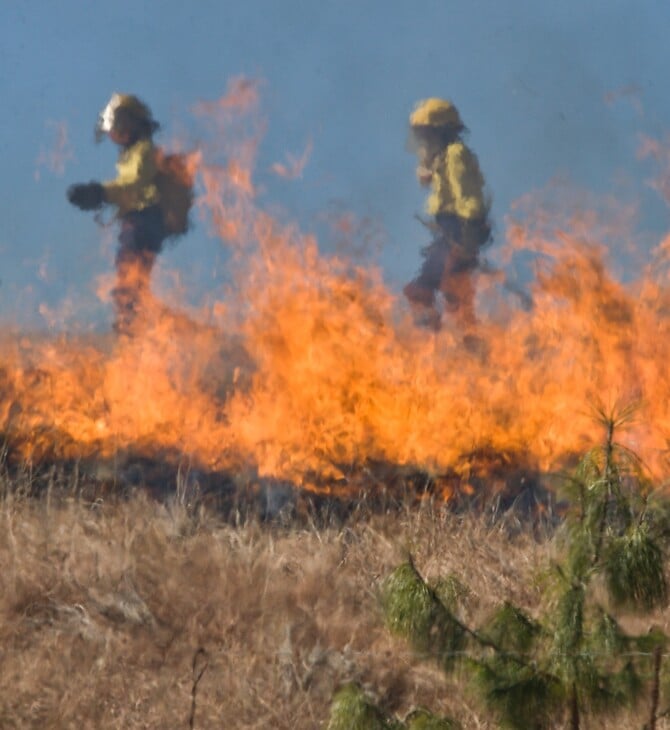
[(104, 607)]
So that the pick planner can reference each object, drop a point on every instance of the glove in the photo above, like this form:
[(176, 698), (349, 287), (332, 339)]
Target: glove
[(87, 196)]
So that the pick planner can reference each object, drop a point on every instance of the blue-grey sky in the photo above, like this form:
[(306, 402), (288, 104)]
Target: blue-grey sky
[(547, 90)]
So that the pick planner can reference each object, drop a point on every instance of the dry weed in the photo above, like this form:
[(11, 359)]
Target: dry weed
[(110, 610)]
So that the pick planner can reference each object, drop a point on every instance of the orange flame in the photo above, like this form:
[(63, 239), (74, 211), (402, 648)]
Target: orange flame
[(313, 365), (294, 165), (660, 152)]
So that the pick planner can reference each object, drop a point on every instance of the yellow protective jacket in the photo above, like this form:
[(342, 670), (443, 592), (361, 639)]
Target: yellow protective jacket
[(135, 185), (457, 184)]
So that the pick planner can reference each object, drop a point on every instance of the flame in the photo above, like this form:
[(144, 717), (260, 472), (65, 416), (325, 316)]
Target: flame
[(660, 152), (311, 365), (294, 166)]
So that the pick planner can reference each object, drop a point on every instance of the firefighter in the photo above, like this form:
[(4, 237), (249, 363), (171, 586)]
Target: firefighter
[(135, 194), (458, 210)]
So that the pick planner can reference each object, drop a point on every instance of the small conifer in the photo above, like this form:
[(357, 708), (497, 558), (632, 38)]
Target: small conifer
[(575, 660)]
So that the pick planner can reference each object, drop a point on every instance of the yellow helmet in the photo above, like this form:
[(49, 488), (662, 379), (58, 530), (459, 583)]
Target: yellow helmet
[(133, 107), (435, 113)]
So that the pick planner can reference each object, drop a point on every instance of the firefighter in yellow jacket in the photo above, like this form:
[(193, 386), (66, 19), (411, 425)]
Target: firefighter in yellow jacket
[(459, 211), (135, 194)]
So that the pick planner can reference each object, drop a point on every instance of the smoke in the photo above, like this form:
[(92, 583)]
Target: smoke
[(630, 93), (57, 152)]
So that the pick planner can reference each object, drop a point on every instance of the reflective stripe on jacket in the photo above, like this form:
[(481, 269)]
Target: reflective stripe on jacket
[(135, 185), (457, 184)]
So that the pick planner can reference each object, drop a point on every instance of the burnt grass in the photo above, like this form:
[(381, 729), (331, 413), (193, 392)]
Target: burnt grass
[(146, 593), (500, 486)]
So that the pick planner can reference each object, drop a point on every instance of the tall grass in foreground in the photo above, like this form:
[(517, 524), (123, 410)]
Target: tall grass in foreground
[(573, 659), (128, 613)]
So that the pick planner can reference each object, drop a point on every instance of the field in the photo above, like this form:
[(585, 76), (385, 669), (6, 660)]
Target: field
[(130, 613)]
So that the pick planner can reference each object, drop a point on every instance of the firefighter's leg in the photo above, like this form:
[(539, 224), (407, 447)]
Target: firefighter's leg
[(420, 292), (459, 295), (457, 287), (133, 274)]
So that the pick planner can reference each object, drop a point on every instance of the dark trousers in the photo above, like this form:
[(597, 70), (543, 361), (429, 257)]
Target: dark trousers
[(448, 265), (140, 241)]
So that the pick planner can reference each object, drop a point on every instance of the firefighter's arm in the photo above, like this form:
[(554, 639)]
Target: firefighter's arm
[(466, 182), (136, 171)]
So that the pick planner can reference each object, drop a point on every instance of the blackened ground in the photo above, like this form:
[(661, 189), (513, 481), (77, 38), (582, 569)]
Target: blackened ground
[(499, 486)]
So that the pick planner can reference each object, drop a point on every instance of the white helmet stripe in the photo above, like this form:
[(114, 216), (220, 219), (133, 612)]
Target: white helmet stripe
[(106, 121)]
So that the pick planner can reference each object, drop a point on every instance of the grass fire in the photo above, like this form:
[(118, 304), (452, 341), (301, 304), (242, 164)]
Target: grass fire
[(386, 605), (309, 364)]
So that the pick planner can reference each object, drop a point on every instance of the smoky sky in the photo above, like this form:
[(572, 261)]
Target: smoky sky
[(538, 85)]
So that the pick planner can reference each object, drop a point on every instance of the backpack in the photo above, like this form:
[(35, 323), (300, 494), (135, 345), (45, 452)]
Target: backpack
[(174, 181)]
